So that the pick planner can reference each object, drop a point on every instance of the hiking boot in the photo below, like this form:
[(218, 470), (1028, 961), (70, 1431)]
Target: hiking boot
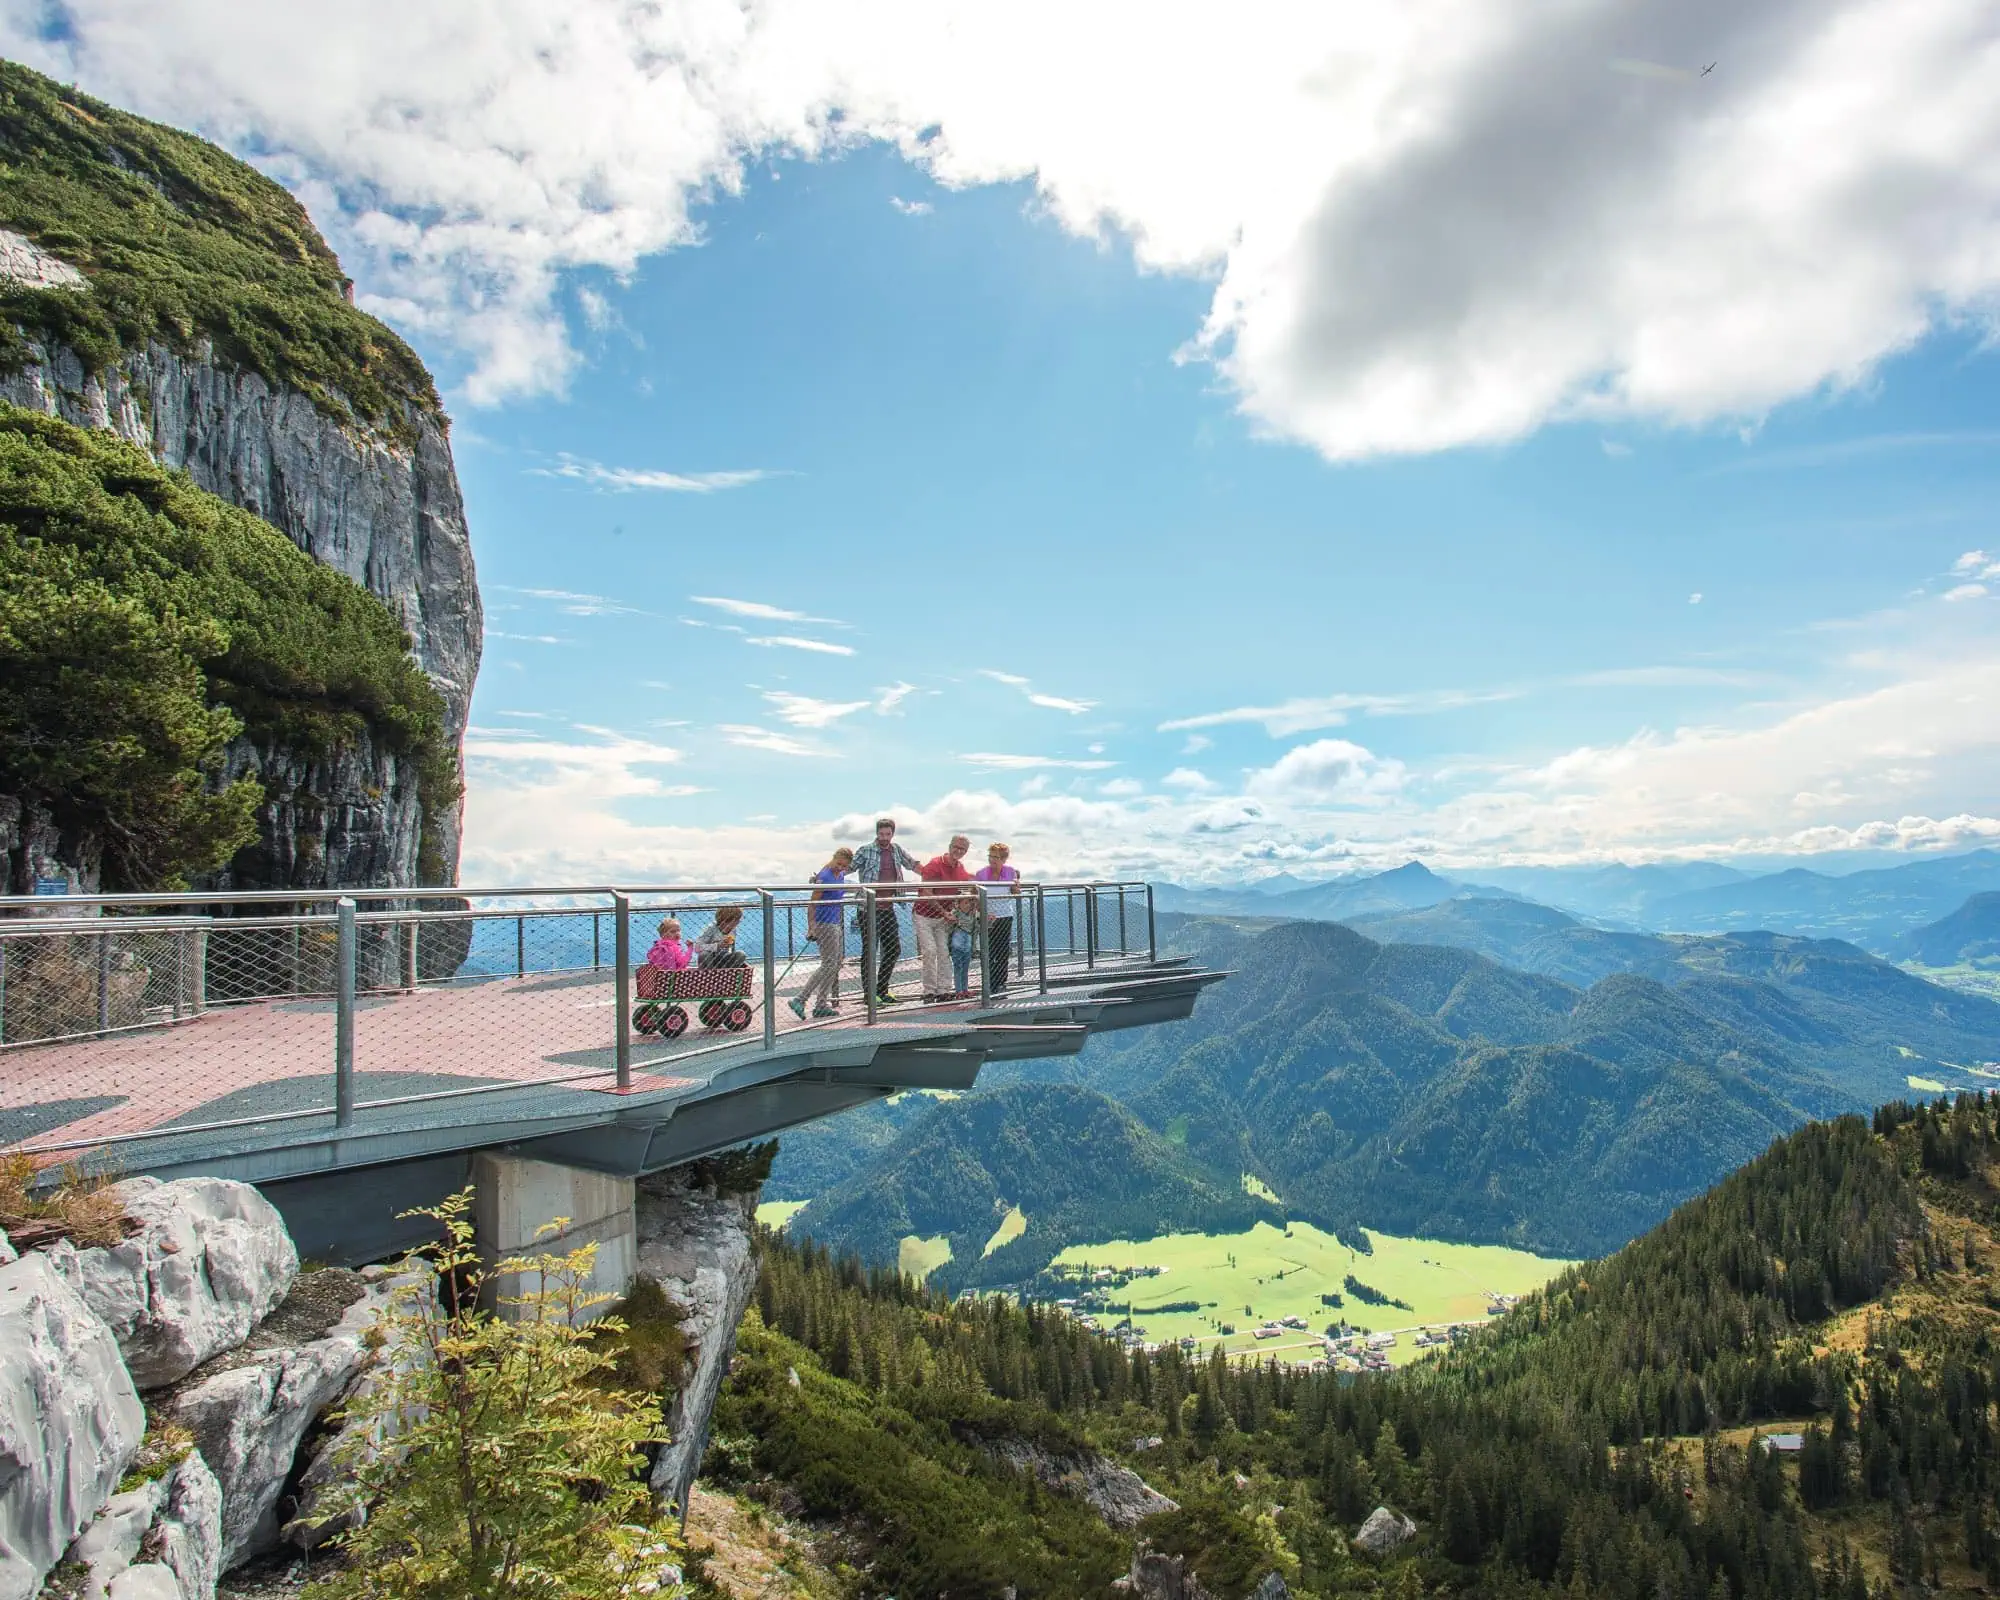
[(826, 1011), (798, 1008)]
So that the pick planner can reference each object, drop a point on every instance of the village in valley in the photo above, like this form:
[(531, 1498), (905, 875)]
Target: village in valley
[(1130, 1303)]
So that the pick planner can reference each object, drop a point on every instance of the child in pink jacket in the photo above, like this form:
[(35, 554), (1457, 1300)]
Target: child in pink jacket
[(669, 954)]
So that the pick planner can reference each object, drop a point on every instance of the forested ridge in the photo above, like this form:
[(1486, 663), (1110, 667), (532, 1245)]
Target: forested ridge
[(1600, 1439)]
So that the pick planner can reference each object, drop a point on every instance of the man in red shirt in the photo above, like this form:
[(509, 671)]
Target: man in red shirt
[(935, 908)]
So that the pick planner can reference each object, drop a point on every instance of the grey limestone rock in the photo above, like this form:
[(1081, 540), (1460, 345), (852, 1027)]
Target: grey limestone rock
[(1158, 1576), (1117, 1494), (23, 261), (251, 1409), (1272, 1588), (211, 1257), (1384, 1531), (70, 1420), (695, 1244), (385, 511), (175, 1522)]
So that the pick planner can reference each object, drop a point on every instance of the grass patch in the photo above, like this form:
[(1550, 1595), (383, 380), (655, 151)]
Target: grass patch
[(1012, 1226), (919, 1258), (1281, 1273), (776, 1213), (1254, 1185), (165, 1447), (650, 1351), (183, 243), (86, 1211)]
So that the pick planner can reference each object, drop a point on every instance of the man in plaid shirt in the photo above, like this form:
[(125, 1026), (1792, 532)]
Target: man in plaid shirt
[(885, 861)]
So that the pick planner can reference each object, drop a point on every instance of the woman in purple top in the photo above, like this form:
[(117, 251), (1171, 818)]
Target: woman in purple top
[(1002, 887), (823, 923)]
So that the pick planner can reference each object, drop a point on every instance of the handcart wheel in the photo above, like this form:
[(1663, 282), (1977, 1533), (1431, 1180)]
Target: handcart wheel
[(674, 1023), (737, 1017), (642, 1019), (711, 1013)]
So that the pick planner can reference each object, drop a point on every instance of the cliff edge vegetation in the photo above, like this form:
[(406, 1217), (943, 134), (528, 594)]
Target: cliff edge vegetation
[(144, 623), (181, 242)]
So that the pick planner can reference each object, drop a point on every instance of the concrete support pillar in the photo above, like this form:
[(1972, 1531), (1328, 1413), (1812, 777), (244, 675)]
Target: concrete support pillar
[(513, 1197)]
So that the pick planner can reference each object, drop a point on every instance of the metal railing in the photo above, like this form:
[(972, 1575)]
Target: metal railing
[(131, 1017)]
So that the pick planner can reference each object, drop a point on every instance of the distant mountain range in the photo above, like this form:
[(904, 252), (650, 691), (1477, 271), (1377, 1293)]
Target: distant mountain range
[(1408, 887), (1970, 936), (1411, 1086), (1875, 909)]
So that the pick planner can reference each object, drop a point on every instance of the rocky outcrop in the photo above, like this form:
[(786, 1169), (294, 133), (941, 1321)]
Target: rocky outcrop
[(386, 511), (694, 1242), (209, 1260), (161, 1539), (1117, 1494), (1385, 1530), (70, 1420), (1156, 1575), (252, 1409)]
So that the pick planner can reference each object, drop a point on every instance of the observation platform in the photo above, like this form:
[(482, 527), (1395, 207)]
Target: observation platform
[(298, 1041)]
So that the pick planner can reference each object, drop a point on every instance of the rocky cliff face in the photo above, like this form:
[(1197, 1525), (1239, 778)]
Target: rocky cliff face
[(386, 513)]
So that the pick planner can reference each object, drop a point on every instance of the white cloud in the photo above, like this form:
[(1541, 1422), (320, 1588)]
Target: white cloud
[(1665, 677), (1013, 678), (1476, 224), (578, 605), (910, 208), (759, 610), (889, 698), (1971, 562), (1122, 787), (987, 758), (1189, 779), (803, 711), (525, 638), (1966, 591), (1307, 713), (1196, 743), (1328, 770), (1614, 449), (751, 737), (786, 641), (598, 312), (1055, 702), (1695, 598), (625, 479)]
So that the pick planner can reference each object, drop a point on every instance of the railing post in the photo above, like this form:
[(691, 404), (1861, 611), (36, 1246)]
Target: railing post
[(343, 1015), (1089, 928), (520, 947), (1124, 948), (982, 945), (621, 985), (770, 971), (5, 945), (1042, 937), (596, 940), (1152, 929), (868, 951), (104, 983), (411, 929)]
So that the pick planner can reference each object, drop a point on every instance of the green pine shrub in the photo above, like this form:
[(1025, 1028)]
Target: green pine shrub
[(144, 623)]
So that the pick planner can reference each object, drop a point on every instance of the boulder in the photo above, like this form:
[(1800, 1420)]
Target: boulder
[(1384, 1531), (174, 1522), (70, 1420), (1272, 1588), (208, 1261), (1117, 1494), (251, 1409), (1158, 1576), (7, 1251), (694, 1242)]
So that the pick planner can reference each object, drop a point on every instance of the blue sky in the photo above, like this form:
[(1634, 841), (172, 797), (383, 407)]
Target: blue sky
[(1162, 457), (982, 458)]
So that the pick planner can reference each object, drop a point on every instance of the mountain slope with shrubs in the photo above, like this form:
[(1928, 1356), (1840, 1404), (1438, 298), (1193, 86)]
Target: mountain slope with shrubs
[(1601, 1439)]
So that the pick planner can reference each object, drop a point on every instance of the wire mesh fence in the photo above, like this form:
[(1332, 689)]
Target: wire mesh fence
[(151, 1016)]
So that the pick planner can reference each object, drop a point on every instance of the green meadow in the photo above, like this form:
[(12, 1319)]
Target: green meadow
[(1279, 1272), (776, 1213)]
